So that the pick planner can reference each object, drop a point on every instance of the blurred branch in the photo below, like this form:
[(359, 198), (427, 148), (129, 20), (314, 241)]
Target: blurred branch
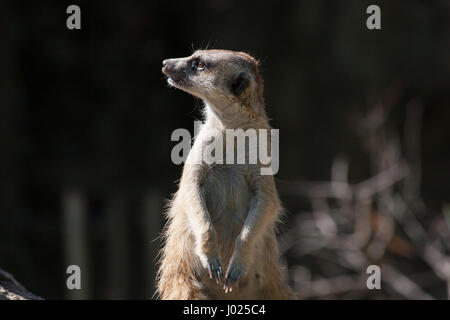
[(11, 289), (403, 285), (352, 226)]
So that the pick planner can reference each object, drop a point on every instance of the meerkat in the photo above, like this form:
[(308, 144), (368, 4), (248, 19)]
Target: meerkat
[(220, 240)]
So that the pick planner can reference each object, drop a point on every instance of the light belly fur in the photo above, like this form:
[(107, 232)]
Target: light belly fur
[(227, 196)]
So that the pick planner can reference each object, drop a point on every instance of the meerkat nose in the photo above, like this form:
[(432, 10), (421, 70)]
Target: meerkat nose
[(166, 65)]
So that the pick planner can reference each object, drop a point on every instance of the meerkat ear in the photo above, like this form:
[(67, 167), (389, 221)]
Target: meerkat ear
[(240, 83)]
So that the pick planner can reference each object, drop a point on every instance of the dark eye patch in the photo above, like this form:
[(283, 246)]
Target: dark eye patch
[(198, 64)]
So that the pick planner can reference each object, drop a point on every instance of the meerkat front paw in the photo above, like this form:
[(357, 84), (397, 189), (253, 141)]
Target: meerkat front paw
[(211, 262), (207, 251), (214, 267), (235, 270)]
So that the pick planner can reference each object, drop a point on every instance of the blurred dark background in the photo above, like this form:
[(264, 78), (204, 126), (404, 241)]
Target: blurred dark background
[(86, 118)]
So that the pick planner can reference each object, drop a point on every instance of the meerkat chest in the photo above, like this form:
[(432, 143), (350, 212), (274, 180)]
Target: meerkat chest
[(227, 193)]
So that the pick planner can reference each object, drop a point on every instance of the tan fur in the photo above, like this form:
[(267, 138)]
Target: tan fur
[(223, 214)]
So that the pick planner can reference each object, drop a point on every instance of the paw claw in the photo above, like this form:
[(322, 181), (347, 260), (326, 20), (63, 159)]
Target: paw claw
[(214, 269), (234, 272)]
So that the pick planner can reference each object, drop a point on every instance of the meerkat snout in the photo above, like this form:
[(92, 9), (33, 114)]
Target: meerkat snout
[(175, 71), (164, 66)]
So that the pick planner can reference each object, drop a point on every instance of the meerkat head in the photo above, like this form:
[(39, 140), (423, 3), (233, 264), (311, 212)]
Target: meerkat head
[(219, 77)]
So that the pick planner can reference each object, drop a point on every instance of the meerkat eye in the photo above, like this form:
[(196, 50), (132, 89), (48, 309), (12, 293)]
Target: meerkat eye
[(201, 65), (198, 64)]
